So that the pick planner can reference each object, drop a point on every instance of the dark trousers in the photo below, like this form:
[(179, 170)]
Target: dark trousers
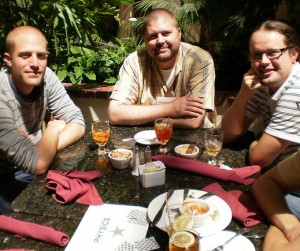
[(11, 185)]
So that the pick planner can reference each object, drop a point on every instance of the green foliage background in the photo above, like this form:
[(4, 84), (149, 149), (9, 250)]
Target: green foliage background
[(82, 43), (83, 38), (225, 27)]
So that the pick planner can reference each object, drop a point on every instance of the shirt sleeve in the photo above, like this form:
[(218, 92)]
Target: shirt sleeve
[(126, 89), (202, 76), (59, 102), (16, 150), (285, 122)]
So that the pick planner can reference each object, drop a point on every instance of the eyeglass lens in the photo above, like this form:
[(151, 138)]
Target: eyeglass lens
[(272, 54)]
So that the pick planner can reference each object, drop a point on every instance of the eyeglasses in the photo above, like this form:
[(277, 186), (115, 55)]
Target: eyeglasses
[(271, 54)]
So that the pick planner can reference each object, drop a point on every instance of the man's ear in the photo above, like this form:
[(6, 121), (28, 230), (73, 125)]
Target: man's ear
[(7, 59)]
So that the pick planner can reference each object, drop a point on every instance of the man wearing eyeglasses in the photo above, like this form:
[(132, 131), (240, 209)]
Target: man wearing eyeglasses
[(270, 90)]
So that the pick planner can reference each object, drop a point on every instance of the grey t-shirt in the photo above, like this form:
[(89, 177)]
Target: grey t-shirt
[(16, 111)]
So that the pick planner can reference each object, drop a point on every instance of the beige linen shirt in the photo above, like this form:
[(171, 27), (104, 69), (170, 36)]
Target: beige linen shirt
[(140, 81)]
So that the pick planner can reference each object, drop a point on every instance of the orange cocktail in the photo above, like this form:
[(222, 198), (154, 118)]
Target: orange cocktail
[(163, 130), (101, 137), (101, 133), (184, 240)]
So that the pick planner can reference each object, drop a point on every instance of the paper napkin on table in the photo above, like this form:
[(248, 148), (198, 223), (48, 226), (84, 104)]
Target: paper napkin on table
[(238, 175), (74, 186), (243, 206), (33, 230)]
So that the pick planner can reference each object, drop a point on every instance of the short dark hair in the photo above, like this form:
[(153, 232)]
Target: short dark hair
[(292, 38)]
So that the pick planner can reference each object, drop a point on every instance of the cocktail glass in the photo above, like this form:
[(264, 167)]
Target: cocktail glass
[(101, 133), (179, 228), (213, 142), (163, 130), (174, 220), (184, 240)]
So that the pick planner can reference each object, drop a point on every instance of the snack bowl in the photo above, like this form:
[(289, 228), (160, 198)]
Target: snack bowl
[(187, 151), (198, 208), (120, 158)]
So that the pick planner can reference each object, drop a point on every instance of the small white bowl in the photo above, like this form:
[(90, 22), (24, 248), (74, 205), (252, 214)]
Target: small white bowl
[(199, 209), (120, 158), (181, 151)]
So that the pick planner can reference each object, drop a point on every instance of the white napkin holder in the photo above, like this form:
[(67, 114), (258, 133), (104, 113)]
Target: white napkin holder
[(151, 179)]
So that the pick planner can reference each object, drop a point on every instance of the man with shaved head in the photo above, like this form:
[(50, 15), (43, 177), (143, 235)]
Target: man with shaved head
[(28, 88), (168, 78)]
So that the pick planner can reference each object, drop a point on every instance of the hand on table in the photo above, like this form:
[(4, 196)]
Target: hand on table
[(188, 106)]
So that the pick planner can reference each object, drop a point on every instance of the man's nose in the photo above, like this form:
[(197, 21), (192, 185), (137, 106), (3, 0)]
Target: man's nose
[(160, 38), (264, 58), (34, 60)]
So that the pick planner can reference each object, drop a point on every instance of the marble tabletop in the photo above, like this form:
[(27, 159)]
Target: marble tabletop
[(35, 204)]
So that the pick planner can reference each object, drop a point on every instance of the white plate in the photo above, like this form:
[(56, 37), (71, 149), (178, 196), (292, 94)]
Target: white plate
[(211, 226), (146, 137), (237, 244)]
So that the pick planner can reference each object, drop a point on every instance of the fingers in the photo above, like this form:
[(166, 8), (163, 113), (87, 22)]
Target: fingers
[(189, 107), (251, 80), (188, 92), (23, 133)]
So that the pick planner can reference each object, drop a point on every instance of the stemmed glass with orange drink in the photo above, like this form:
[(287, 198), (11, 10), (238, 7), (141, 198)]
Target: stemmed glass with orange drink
[(163, 130), (101, 134)]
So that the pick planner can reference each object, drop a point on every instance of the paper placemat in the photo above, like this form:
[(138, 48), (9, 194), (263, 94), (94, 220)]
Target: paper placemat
[(110, 227)]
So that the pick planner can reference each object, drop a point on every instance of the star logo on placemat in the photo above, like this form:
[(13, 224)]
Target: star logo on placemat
[(118, 231)]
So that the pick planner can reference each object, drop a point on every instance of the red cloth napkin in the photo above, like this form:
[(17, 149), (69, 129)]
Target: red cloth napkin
[(74, 186), (243, 206), (237, 175), (32, 230)]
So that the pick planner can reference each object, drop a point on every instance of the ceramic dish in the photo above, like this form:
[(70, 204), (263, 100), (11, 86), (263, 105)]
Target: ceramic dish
[(237, 244), (181, 151), (220, 212), (146, 137)]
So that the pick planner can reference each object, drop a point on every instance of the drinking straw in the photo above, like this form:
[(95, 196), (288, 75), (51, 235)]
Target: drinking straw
[(168, 214)]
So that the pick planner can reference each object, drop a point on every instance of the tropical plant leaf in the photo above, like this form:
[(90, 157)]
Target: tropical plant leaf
[(90, 75)]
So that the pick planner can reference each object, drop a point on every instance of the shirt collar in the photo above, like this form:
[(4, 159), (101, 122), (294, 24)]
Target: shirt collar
[(296, 71)]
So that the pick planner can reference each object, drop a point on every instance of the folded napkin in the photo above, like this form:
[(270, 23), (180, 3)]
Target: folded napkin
[(32, 230), (243, 206), (237, 175), (74, 186)]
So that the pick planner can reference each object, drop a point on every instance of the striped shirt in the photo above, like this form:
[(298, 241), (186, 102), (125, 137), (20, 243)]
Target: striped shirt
[(141, 82), (280, 111), (17, 111)]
